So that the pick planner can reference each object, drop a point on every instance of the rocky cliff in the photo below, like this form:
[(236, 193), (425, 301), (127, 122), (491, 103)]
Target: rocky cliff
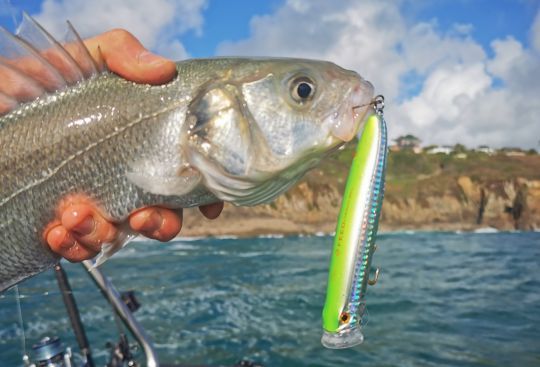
[(424, 192)]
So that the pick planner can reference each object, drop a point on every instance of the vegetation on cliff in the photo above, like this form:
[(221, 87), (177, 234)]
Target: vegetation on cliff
[(463, 190)]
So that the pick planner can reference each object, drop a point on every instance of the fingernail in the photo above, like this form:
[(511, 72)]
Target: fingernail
[(146, 57), (152, 222), (60, 239), (85, 227)]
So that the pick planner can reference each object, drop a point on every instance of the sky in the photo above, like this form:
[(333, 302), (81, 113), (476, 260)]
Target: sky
[(452, 71)]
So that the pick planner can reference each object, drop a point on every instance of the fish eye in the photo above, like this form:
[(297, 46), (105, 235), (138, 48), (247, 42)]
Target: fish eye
[(302, 89)]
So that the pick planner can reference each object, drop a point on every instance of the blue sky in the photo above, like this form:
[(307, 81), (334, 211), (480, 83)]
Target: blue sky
[(452, 70), (229, 20)]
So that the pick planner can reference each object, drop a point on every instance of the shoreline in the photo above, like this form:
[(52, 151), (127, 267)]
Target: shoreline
[(482, 230), (196, 226)]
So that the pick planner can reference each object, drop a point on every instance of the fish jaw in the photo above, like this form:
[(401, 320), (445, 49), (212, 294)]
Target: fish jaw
[(348, 119)]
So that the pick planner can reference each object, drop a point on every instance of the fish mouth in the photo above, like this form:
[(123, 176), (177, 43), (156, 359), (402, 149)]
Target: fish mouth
[(348, 119)]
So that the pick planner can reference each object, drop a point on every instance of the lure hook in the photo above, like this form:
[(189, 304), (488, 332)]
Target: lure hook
[(374, 280), (378, 104)]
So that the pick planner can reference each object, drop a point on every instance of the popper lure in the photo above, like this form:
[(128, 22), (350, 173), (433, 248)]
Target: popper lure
[(354, 242)]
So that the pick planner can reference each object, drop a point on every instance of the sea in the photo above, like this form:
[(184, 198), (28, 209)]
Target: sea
[(442, 299)]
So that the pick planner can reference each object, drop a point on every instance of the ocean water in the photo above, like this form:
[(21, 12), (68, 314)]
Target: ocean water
[(442, 299)]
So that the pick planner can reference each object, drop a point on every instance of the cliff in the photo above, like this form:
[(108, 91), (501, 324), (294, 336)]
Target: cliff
[(423, 192)]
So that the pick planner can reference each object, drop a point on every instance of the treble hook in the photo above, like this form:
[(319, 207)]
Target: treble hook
[(374, 280)]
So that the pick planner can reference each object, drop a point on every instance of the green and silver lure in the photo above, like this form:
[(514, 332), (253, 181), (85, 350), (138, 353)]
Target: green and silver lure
[(354, 242)]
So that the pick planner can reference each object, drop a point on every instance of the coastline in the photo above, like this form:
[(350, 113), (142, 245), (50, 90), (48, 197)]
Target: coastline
[(423, 193), (197, 226)]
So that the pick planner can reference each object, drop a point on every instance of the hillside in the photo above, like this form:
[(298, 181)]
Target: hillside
[(424, 192)]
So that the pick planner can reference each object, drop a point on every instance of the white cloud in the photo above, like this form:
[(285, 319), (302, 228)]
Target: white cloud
[(157, 24), (441, 85), (507, 55), (424, 47), (463, 94), (446, 91), (351, 34)]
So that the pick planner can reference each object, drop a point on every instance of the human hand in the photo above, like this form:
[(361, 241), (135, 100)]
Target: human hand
[(24, 78), (80, 229)]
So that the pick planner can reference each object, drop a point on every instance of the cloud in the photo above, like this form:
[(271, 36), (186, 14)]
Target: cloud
[(158, 24), (441, 85), (478, 100), (345, 32)]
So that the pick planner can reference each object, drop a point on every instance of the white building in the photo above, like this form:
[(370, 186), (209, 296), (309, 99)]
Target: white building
[(485, 149), (440, 149)]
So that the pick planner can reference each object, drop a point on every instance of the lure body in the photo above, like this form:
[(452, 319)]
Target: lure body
[(354, 242)]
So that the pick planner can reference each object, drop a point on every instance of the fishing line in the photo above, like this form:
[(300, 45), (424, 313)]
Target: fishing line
[(21, 322)]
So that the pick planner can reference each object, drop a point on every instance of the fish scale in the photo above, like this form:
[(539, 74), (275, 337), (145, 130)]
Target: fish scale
[(73, 165)]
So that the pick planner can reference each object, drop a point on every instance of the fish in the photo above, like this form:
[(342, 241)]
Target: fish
[(344, 312), (240, 130)]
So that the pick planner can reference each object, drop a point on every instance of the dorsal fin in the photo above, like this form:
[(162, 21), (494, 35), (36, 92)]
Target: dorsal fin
[(18, 85), (75, 46), (22, 56), (50, 49), (33, 63)]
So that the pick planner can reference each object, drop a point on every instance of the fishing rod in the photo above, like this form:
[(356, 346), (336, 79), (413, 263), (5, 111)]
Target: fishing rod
[(50, 351)]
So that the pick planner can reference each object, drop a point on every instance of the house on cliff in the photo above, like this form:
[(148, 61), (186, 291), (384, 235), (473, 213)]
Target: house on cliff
[(407, 142), (445, 149), (485, 149), (513, 152)]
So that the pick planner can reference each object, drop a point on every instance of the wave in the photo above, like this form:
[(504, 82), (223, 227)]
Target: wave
[(271, 235), (226, 237), (486, 230), (190, 239), (398, 233), (178, 245)]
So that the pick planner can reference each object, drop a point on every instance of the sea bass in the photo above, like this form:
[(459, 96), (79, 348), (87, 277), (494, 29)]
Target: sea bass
[(234, 129)]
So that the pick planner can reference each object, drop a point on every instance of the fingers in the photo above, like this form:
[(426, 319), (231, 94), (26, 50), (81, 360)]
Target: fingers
[(88, 227), (62, 243), (124, 55), (158, 223), (80, 232), (7, 103), (164, 224), (26, 78), (212, 211), (16, 87)]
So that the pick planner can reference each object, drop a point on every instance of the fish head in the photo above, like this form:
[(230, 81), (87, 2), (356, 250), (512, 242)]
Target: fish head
[(259, 125)]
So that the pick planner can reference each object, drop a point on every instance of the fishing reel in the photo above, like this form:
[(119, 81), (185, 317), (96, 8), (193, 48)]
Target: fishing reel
[(50, 352)]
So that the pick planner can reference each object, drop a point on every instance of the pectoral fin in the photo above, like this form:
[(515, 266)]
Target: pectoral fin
[(125, 235), (154, 183)]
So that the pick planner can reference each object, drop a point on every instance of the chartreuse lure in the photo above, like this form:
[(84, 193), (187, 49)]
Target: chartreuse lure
[(354, 242)]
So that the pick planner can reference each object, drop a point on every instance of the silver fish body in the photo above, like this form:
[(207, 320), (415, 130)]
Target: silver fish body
[(223, 129)]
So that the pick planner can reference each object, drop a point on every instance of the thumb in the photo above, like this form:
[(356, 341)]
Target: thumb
[(125, 55)]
